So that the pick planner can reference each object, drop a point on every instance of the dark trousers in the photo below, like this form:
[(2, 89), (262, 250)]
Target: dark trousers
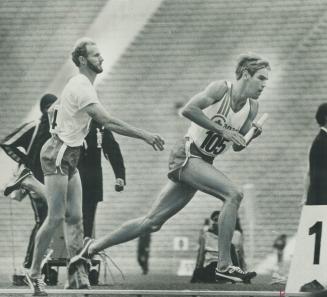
[(89, 210), (204, 274), (207, 274), (143, 259), (40, 210), (143, 251)]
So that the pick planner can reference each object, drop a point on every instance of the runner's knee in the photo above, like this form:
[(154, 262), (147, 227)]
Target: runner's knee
[(235, 196), (150, 225), (54, 221)]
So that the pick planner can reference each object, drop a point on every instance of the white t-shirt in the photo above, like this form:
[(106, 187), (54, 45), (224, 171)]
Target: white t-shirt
[(67, 119)]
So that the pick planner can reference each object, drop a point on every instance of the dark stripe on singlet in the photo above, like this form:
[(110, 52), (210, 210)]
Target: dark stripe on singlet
[(225, 105), (228, 107), (222, 106)]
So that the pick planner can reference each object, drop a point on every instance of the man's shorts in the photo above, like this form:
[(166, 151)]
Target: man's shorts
[(179, 156), (58, 158)]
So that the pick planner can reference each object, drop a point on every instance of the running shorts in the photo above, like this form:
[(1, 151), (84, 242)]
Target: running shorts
[(58, 158), (180, 154)]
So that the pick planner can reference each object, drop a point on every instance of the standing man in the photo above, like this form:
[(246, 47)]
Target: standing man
[(316, 180), (90, 170), (69, 125), (31, 136), (220, 115)]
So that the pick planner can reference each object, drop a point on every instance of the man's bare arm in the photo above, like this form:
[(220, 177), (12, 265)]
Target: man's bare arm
[(99, 114), (193, 111)]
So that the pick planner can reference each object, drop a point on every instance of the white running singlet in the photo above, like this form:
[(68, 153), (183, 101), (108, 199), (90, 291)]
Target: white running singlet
[(67, 119), (210, 143)]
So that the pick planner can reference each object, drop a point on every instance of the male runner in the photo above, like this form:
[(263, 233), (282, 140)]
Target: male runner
[(220, 116), (70, 119)]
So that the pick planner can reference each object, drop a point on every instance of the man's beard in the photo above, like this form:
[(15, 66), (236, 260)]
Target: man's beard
[(93, 67)]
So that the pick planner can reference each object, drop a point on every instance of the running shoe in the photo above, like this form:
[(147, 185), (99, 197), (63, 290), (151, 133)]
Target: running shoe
[(15, 185), (82, 256), (36, 284), (235, 274)]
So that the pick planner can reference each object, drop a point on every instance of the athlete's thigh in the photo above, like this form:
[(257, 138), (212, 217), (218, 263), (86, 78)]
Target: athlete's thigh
[(56, 191), (206, 178), (172, 198), (74, 196)]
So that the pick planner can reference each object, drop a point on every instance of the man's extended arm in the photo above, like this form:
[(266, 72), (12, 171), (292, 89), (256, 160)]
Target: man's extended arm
[(21, 137), (99, 114)]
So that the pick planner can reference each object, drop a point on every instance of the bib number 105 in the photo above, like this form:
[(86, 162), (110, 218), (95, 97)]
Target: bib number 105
[(213, 143)]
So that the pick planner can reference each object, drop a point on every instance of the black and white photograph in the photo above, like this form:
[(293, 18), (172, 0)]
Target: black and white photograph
[(163, 148)]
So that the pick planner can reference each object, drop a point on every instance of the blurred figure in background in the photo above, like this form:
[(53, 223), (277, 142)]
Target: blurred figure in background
[(207, 256), (279, 276), (24, 146), (90, 171), (143, 251), (316, 185), (30, 137), (279, 245)]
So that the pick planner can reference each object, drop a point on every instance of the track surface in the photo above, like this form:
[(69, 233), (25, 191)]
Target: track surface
[(161, 282)]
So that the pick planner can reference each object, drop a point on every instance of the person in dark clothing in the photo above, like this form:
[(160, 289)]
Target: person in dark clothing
[(316, 181), (31, 137), (143, 251), (96, 141), (279, 244), (322, 293)]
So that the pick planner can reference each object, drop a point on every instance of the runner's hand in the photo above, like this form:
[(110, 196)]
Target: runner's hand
[(235, 137), (155, 141), (258, 130)]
